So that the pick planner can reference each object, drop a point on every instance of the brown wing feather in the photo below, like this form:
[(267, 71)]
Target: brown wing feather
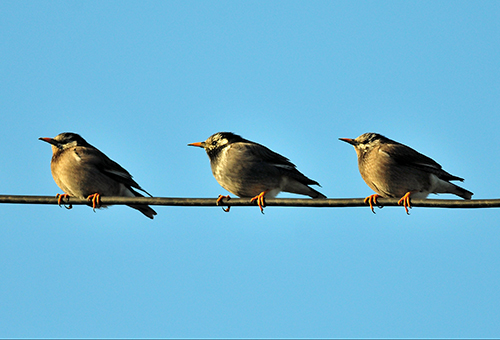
[(405, 155), (267, 154), (109, 167), (282, 163)]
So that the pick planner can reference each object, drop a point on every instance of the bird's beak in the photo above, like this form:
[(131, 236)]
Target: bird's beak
[(348, 140), (199, 144), (48, 140)]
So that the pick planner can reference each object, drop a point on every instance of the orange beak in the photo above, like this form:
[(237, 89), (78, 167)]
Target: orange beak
[(47, 139), (199, 144), (348, 140)]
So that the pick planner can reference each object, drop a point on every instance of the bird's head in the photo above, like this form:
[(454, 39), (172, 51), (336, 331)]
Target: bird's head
[(65, 140), (216, 142), (366, 141)]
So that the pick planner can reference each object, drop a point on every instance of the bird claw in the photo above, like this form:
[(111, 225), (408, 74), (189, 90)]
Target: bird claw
[(219, 202), (60, 197), (96, 200), (405, 201), (372, 200), (260, 201)]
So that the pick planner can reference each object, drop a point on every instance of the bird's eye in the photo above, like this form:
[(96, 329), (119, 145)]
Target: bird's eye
[(214, 143)]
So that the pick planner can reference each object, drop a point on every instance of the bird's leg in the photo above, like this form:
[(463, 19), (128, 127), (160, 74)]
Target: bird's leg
[(405, 200), (60, 197), (260, 200), (372, 200), (219, 201), (96, 200)]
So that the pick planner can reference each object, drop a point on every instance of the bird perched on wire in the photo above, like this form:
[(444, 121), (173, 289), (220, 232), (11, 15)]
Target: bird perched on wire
[(393, 169), (81, 170), (248, 169)]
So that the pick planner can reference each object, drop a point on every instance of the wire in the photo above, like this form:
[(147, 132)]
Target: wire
[(281, 202)]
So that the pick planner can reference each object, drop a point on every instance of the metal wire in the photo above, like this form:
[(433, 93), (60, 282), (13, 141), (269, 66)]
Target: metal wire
[(281, 202)]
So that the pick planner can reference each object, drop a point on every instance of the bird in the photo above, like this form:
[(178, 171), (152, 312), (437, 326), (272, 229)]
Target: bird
[(81, 170), (248, 169), (395, 170)]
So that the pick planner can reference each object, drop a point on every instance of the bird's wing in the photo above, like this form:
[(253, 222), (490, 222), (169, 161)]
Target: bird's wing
[(267, 155), (275, 159), (107, 166), (405, 155)]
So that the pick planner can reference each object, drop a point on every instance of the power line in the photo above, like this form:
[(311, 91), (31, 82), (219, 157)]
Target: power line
[(281, 202)]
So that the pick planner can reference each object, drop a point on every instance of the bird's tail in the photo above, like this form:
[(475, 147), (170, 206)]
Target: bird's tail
[(296, 187), (459, 191), (145, 209), (315, 194), (443, 186)]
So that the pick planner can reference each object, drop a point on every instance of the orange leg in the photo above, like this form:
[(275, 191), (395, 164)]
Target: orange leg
[(219, 201), (372, 200), (96, 200), (60, 197), (405, 200), (260, 200)]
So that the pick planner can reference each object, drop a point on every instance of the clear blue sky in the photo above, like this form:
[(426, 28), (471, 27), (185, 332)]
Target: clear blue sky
[(140, 80)]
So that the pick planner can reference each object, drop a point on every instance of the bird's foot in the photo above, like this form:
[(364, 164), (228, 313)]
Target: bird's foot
[(96, 200), (405, 201), (260, 200), (60, 197), (219, 201), (372, 200)]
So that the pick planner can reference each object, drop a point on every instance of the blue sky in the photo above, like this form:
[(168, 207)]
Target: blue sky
[(141, 80)]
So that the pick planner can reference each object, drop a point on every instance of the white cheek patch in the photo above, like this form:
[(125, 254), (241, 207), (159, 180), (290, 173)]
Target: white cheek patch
[(363, 147), (69, 145)]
